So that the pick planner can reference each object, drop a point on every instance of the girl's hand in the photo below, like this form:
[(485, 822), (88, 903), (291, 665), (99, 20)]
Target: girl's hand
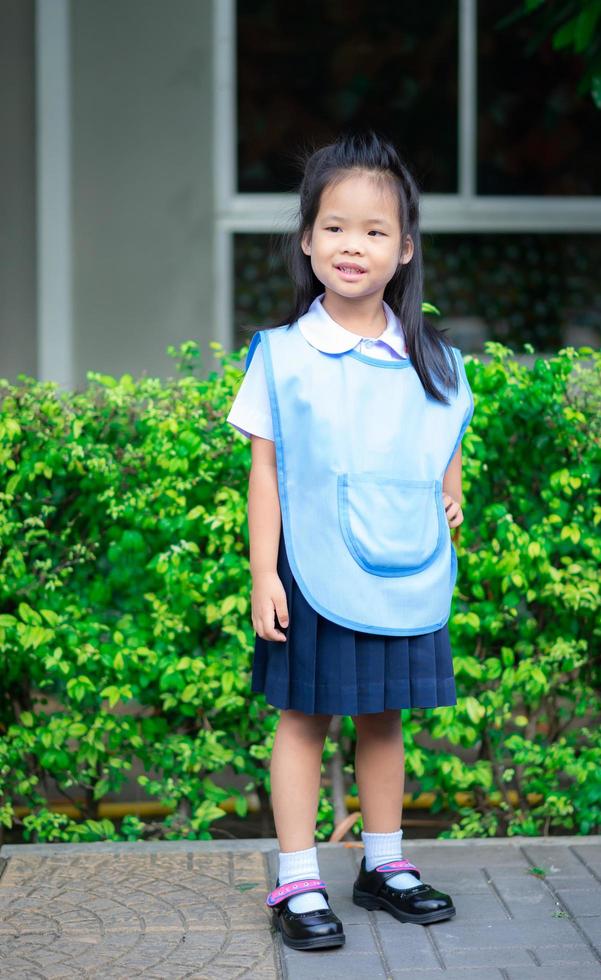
[(453, 511), (268, 599)]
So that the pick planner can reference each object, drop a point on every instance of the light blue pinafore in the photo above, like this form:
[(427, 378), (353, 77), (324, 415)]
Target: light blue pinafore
[(361, 453)]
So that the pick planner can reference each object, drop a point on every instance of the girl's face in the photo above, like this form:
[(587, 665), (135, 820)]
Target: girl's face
[(355, 242)]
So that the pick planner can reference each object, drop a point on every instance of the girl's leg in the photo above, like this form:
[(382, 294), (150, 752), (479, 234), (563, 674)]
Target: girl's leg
[(380, 770), (295, 779), (380, 775)]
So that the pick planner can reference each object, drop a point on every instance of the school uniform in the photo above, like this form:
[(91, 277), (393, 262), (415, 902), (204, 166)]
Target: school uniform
[(365, 554)]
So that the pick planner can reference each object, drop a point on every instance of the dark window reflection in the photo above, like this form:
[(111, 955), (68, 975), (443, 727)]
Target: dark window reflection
[(543, 289), (307, 71), (536, 135)]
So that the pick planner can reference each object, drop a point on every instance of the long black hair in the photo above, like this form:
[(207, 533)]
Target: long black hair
[(429, 350)]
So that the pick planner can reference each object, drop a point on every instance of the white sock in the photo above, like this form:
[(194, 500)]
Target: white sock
[(294, 865), (381, 848)]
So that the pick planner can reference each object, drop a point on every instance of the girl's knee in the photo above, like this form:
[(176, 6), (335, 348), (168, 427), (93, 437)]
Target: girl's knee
[(307, 724), (378, 722)]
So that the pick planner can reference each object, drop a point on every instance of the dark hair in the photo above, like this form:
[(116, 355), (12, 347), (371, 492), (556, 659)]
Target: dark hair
[(429, 351)]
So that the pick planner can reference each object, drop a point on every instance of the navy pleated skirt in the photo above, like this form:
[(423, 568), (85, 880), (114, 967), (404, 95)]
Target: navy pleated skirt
[(325, 668)]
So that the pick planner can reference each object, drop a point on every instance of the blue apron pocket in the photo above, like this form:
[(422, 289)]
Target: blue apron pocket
[(391, 526)]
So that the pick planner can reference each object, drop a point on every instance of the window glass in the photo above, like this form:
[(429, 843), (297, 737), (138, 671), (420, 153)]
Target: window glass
[(306, 71), (536, 135), (543, 289)]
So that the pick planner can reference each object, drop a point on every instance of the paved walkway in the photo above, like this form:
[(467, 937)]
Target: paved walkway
[(196, 909)]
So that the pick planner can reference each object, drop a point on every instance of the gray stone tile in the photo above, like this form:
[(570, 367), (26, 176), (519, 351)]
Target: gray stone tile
[(591, 854), (407, 946), (562, 865), (591, 927), (497, 956), (547, 973), (451, 934), (476, 973), (346, 910), (581, 902), (526, 897), (356, 960), (479, 907), (467, 882), (553, 955), (335, 965), (336, 863)]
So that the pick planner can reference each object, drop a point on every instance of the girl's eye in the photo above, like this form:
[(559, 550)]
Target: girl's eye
[(375, 231), (333, 228)]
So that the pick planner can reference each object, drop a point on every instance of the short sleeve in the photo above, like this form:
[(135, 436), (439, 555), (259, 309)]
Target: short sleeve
[(470, 409), (251, 411)]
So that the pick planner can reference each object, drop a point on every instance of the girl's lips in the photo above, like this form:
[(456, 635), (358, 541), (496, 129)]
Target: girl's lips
[(349, 273)]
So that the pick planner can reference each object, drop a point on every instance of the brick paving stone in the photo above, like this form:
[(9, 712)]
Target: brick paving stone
[(493, 956), (171, 910), (581, 902), (451, 934), (591, 926), (545, 973), (126, 915), (477, 907), (357, 959), (589, 852), (553, 955), (477, 973), (525, 897), (407, 946)]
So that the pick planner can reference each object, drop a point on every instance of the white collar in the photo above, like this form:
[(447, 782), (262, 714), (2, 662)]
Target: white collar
[(324, 333)]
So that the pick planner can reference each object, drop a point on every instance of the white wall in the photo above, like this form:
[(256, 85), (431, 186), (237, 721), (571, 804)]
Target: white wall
[(142, 182), (18, 303)]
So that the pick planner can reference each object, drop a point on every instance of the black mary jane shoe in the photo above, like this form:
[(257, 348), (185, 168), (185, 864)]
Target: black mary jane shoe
[(422, 904), (304, 930)]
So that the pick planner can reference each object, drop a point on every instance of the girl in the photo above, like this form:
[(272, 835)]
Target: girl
[(356, 407)]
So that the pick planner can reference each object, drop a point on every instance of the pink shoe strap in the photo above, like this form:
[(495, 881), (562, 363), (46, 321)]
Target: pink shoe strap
[(395, 866), (294, 888)]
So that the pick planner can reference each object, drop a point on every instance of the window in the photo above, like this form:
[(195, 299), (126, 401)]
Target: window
[(541, 288), (307, 70), (509, 168), (536, 135)]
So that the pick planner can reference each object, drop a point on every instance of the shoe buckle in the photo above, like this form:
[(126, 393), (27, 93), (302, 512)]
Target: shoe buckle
[(395, 866), (294, 888)]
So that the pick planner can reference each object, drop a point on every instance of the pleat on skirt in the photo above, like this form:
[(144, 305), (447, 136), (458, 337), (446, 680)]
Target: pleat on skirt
[(325, 668)]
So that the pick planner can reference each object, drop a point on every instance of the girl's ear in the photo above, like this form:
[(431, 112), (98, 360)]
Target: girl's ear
[(408, 253), (306, 243)]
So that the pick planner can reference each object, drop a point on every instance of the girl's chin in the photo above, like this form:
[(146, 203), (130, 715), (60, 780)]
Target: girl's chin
[(346, 286), (351, 291)]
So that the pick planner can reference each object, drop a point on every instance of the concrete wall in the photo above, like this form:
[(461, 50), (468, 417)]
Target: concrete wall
[(18, 303), (142, 182)]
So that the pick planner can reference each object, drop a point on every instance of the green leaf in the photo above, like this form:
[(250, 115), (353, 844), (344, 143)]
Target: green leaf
[(28, 615)]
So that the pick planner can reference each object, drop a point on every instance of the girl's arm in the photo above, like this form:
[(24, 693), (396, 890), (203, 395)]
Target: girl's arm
[(264, 515), (268, 597), (451, 494), (451, 483)]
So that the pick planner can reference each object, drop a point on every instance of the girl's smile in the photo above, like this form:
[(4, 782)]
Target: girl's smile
[(350, 273)]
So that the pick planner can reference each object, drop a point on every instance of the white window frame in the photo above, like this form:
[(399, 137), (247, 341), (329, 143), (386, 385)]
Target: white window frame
[(464, 211), (53, 193)]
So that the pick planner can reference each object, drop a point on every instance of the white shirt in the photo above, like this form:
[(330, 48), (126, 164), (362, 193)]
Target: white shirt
[(251, 412)]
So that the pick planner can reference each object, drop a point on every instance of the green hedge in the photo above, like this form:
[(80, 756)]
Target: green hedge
[(125, 630)]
